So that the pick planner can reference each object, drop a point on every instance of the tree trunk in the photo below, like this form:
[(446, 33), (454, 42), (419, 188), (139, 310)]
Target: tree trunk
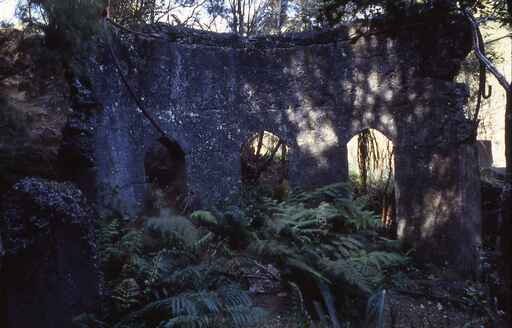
[(507, 197), (507, 207)]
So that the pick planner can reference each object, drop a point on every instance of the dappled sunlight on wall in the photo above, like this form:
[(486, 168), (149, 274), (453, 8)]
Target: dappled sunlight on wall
[(313, 142)]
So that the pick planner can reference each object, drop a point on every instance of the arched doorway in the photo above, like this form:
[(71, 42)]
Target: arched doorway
[(371, 167), (165, 168), (264, 163)]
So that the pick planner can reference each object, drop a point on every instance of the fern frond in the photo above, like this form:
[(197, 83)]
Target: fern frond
[(204, 217), (326, 193), (302, 266), (297, 310), (355, 213), (173, 232), (349, 273), (384, 260), (136, 266), (270, 249), (126, 294), (132, 242), (107, 234), (203, 242), (189, 321), (233, 296), (244, 316), (202, 309)]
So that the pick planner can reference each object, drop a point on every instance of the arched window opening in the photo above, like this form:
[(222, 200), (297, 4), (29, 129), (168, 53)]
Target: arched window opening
[(371, 167), (165, 168), (264, 163)]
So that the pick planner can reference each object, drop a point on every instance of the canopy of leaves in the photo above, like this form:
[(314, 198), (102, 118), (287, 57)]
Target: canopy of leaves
[(64, 23), (67, 22)]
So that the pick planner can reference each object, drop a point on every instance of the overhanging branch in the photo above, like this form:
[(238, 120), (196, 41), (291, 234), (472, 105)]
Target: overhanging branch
[(478, 46)]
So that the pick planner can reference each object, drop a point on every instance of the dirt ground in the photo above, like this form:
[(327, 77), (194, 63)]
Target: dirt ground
[(430, 297)]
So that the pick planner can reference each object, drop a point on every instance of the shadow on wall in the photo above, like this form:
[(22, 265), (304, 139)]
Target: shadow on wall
[(446, 203), (399, 87)]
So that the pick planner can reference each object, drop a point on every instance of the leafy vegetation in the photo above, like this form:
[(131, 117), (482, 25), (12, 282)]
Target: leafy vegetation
[(71, 21), (325, 235), (65, 24), (176, 271), (163, 274), (179, 271)]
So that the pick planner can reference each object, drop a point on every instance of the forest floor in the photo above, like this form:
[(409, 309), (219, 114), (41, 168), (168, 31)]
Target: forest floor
[(421, 298), (438, 297)]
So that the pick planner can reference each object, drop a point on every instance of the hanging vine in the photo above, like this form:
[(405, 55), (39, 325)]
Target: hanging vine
[(373, 157), (368, 156)]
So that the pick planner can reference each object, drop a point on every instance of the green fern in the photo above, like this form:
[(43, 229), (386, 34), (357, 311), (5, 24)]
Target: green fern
[(347, 272), (303, 233), (189, 270), (131, 242), (107, 233), (328, 193), (204, 217), (173, 231), (357, 217), (297, 313), (383, 260), (127, 294), (228, 305)]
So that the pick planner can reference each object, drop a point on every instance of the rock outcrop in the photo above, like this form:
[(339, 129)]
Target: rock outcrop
[(34, 106), (49, 271)]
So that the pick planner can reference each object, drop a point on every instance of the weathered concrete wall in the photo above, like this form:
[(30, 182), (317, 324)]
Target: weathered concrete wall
[(210, 92)]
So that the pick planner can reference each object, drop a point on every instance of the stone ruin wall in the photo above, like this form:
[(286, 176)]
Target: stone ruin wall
[(211, 92)]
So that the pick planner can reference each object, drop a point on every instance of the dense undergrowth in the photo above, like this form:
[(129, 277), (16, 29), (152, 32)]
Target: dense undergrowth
[(177, 271)]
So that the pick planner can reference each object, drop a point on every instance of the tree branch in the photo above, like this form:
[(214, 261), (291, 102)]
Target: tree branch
[(481, 54)]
